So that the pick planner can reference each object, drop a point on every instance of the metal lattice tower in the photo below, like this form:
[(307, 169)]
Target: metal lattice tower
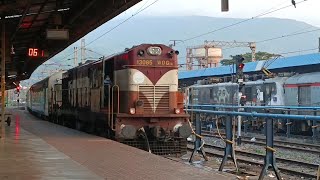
[(75, 56), (202, 61), (83, 51)]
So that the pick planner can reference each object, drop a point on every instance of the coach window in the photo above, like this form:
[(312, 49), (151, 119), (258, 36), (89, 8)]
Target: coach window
[(248, 93), (304, 95), (211, 93), (270, 91)]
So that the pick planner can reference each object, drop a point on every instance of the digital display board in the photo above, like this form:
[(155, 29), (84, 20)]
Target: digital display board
[(35, 52)]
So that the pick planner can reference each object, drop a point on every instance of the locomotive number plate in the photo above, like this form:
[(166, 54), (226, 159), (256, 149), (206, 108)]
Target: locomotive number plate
[(145, 62)]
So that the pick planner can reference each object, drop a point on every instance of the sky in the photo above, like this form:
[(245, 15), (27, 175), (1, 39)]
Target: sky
[(306, 10)]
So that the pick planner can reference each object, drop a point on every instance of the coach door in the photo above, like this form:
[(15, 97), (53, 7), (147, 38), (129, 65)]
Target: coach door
[(304, 95), (95, 89), (270, 94)]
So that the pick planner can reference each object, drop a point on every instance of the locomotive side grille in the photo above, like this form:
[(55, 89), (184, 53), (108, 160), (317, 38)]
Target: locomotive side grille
[(155, 98)]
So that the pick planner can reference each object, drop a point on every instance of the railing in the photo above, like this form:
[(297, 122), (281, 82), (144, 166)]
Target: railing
[(268, 118), (256, 107), (289, 116), (255, 114)]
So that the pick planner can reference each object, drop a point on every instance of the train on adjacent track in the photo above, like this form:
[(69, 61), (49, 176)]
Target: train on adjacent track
[(131, 97), (295, 90)]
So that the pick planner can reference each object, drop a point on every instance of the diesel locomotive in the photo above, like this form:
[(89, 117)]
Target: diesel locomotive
[(131, 97)]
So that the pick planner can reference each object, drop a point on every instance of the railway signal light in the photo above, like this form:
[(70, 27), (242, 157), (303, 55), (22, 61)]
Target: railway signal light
[(240, 79), (18, 89), (239, 68)]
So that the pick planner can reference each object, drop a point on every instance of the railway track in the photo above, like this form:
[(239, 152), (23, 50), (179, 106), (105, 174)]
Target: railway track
[(302, 147), (291, 167)]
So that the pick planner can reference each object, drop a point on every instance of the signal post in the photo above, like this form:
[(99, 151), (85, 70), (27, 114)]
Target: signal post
[(240, 80)]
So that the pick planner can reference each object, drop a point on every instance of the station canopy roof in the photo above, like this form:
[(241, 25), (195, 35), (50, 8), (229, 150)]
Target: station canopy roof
[(49, 26), (303, 62)]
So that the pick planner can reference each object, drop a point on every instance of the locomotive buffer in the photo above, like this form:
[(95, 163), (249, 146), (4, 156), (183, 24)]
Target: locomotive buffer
[(241, 98)]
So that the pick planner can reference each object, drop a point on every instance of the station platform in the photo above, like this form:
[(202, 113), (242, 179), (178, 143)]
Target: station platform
[(35, 149)]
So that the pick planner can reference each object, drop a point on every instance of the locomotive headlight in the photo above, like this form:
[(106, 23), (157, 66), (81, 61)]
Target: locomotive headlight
[(140, 52), (139, 103), (171, 53), (132, 110), (177, 111), (155, 51)]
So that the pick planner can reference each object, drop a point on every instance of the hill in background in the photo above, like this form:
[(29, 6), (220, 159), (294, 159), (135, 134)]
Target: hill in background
[(162, 29)]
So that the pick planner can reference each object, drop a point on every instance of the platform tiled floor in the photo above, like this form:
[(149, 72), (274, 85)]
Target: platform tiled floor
[(36, 149), (26, 156)]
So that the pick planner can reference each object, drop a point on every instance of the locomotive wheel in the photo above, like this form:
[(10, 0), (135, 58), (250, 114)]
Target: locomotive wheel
[(103, 133), (90, 128), (59, 120), (109, 134), (56, 120), (78, 125), (8, 121), (63, 122)]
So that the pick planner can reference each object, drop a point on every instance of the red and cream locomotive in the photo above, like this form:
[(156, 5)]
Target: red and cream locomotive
[(132, 97)]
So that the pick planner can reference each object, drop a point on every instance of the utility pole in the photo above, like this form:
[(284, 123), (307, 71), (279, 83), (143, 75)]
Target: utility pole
[(83, 51), (174, 42), (240, 79)]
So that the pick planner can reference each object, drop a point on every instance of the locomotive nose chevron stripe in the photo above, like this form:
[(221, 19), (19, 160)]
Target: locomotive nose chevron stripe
[(154, 74)]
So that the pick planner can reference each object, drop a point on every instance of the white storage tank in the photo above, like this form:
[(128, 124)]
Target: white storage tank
[(214, 55)]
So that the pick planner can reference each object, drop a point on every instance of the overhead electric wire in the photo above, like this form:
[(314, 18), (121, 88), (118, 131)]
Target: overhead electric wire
[(298, 51), (94, 52), (142, 6), (288, 35), (295, 33), (138, 12), (242, 21), (122, 22)]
